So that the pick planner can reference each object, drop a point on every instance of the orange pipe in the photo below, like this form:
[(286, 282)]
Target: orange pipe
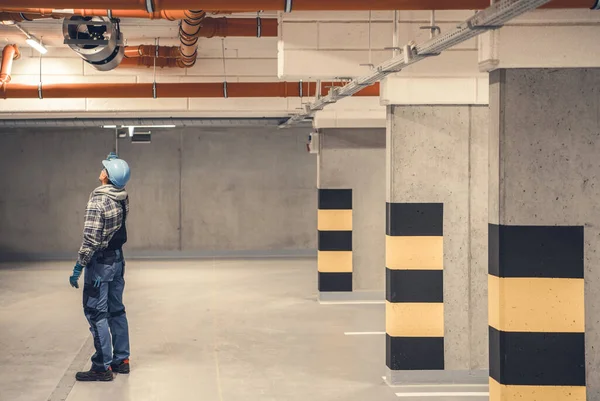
[(173, 90), (37, 13), (278, 5), (9, 54), (150, 51), (189, 30), (145, 61), (20, 17)]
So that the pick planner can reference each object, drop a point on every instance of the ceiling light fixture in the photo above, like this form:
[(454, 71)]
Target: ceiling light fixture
[(140, 126), (142, 137), (154, 126)]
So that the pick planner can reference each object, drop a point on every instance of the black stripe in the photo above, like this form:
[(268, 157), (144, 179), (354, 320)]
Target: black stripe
[(98, 357), (335, 240), (414, 353), (425, 286), (415, 219), (536, 251), (332, 282), (537, 359), (335, 199)]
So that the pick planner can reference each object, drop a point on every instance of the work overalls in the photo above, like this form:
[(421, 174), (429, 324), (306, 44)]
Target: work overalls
[(103, 306)]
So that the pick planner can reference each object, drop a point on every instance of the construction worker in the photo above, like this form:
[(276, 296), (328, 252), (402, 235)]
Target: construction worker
[(101, 255)]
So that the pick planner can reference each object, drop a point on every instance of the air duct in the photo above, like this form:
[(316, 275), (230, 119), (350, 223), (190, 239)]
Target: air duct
[(97, 40)]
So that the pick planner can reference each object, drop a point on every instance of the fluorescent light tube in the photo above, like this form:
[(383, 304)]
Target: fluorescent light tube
[(152, 126), (36, 45)]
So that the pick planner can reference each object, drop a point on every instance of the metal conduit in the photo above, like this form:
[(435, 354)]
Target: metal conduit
[(492, 18)]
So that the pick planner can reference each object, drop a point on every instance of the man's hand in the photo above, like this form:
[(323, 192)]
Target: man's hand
[(73, 280)]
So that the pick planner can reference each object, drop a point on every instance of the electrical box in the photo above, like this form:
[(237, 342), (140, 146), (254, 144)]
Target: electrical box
[(141, 137)]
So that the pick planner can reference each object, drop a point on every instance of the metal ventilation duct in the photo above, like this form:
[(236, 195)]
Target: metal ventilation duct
[(97, 40)]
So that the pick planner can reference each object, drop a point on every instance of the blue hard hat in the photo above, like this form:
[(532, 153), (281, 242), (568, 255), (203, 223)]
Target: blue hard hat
[(118, 170)]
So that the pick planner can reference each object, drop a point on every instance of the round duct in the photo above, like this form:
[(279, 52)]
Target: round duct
[(97, 40)]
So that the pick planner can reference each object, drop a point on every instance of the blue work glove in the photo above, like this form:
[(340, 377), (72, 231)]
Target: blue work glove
[(76, 274)]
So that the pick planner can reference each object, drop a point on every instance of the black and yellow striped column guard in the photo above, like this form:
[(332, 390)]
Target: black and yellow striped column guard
[(335, 240), (415, 286), (536, 313)]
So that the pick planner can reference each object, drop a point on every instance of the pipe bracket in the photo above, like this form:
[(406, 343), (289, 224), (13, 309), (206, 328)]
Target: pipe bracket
[(154, 95), (109, 14), (40, 93), (225, 90), (288, 6), (259, 25), (300, 88), (149, 6)]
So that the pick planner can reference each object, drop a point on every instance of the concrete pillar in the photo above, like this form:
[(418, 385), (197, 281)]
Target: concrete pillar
[(351, 182), (436, 246), (544, 215)]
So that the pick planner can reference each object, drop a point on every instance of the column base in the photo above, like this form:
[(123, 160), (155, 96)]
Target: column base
[(436, 377), (364, 297)]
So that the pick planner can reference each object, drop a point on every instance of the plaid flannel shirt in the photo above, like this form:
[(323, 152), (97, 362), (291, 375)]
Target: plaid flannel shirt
[(103, 217)]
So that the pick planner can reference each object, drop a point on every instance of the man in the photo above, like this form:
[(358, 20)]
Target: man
[(101, 255)]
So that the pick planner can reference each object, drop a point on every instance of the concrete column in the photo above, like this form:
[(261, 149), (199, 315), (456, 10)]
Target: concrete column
[(436, 246), (544, 215), (351, 180)]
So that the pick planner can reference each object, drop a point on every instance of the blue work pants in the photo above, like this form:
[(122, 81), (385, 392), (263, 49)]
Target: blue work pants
[(104, 310)]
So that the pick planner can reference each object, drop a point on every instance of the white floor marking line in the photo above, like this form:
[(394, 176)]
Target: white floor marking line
[(440, 385), (352, 302), (363, 333), (449, 394)]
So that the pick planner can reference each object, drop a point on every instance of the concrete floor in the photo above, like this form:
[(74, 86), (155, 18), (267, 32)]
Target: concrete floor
[(211, 330)]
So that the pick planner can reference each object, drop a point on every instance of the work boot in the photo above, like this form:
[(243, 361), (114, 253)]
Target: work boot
[(122, 367), (94, 376)]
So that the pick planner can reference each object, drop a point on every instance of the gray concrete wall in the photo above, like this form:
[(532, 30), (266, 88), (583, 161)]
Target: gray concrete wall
[(192, 190), (545, 168), (438, 154), (355, 159)]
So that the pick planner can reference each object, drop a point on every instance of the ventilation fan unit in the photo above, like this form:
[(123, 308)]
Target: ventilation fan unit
[(97, 40)]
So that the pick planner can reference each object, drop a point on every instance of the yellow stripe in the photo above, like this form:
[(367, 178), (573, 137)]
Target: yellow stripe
[(334, 262), (414, 320), (334, 220), (414, 253), (550, 305), (500, 392)]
